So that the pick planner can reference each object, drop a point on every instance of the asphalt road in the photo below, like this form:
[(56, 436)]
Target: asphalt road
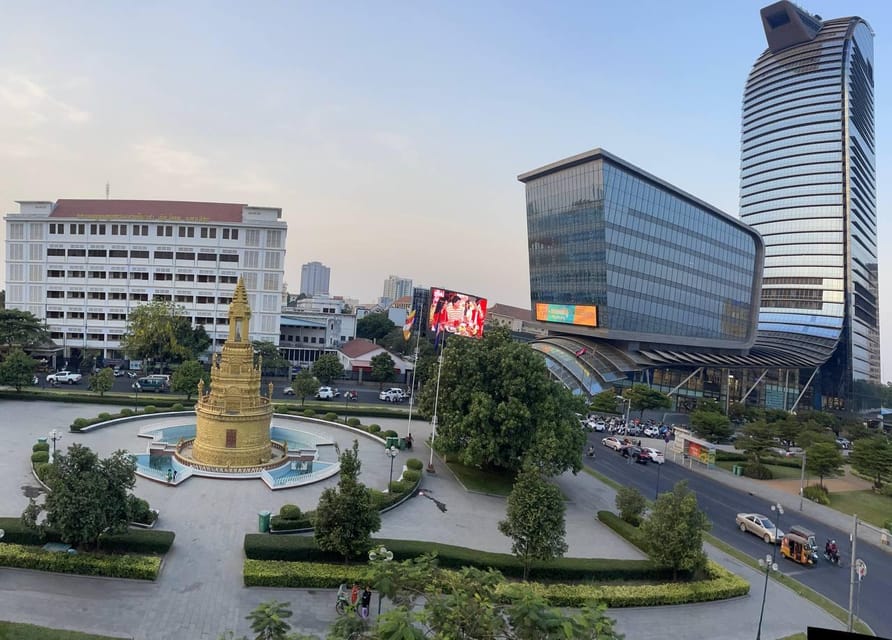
[(722, 503)]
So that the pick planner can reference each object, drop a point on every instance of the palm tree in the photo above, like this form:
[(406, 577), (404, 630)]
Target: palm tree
[(268, 620)]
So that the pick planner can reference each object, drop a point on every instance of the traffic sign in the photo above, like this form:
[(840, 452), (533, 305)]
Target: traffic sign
[(860, 568)]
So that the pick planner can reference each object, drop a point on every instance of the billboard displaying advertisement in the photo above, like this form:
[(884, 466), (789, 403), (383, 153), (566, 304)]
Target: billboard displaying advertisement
[(582, 314), (457, 313)]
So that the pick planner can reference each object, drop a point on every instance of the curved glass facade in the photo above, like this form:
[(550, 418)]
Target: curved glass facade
[(808, 185), (659, 265)]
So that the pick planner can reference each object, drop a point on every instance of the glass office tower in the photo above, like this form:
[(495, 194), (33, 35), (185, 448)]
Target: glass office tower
[(808, 185)]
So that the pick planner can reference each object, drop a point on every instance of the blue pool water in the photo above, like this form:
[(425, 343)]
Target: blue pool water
[(295, 439)]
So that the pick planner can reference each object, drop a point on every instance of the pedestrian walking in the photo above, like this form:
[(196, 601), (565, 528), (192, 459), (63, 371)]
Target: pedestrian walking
[(366, 602)]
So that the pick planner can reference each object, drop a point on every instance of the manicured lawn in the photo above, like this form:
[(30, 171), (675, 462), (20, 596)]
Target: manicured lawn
[(19, 631), (870, 507), (483, 480), (780, 473)]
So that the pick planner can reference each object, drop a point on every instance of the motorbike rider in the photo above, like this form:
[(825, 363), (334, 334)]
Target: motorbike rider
[(591, 451), (831, 550)]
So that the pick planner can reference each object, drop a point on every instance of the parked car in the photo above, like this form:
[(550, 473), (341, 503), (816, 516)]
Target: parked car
[(843, 443), (600, 427), (761, 526), (288, 391), (325, 393), (118, 372), (64, 377), (158, 385), (655, 455), (612, 442), (638, 454), (394, 394), (652, 432)]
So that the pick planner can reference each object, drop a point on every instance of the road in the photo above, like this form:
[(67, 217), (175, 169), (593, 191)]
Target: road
[(722, 503)]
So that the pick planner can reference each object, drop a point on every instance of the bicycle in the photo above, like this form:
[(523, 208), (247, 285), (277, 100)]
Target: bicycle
[(346, 602)]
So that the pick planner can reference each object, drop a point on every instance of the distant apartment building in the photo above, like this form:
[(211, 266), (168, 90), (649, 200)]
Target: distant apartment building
[(421, 302), (395, 287), (315, 278), (84, 265), (305, 337)]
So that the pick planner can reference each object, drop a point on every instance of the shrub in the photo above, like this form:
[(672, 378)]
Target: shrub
[(126, 566), (278, 523), (150, 409), (177, 406), (381, 500), (415, 464), (309, 413), (138, 541), (757, 471), (411, 476), (41, 468), (353, 422), (139, 510), (729, 456), (374, 428), (623, 528), (290, 511), (126, 411), (397, 486), (104, 416), (331, 416), (18, 533), (78, 424), (390, 433), (41, 446), (886, 490), (631, 505), (40, 456), (817, 493)]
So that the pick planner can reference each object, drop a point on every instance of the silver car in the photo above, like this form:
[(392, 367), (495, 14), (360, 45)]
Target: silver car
[(761, 526)]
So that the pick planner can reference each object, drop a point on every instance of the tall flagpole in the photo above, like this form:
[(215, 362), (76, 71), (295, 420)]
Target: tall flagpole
[(430, 465), (412, 389)]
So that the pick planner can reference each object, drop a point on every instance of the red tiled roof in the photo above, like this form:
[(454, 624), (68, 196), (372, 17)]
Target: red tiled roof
[(359, 347), (149, 210), (511, 312)]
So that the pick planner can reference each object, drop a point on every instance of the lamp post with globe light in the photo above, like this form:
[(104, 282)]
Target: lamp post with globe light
[(627, 407), (769, 564), (382, 554), (55, 435), (392, 452)]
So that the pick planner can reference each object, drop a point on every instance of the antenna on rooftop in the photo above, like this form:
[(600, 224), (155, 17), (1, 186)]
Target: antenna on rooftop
[(107, 186)]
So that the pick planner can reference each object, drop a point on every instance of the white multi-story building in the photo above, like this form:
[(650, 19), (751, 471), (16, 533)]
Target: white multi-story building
[(315, 278), (395, 287), (83, 265)]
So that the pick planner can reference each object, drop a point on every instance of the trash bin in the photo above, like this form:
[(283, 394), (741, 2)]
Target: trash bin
[(263, 521), (392, 441), (737, 470)]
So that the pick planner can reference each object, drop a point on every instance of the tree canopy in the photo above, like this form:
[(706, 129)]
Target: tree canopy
[(535, 519), (272, 359), (304, 384), (642, 398), (605, 402), (674, 531), (710, 424), (498, 406), (382, 367), (374, 326), (88, 496), (17, 369), (328, 368), (159, 331), (185, 378), (102, 381), (873, 457), (824, 459), (20, 329)]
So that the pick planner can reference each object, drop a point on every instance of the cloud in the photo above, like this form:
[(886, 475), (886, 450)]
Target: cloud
[(160, 156), (29, 104)]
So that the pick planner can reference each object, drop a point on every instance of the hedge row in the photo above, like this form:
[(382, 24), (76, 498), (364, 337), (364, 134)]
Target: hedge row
[(304, 549), (729, 456), (720, 584), (134, 541), (628, 531), (112, 566)]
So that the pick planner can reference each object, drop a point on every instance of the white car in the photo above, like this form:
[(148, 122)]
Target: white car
[(288, 391), (651, 432), (64, 377), (394, 394), (325, 393), (655, 455), (600, 427), (761, 526), (612, 442)]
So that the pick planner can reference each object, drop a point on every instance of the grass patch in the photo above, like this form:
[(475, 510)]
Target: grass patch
[(795, 636), (497, 483), (779, 472), (870, 507), (610, 482), (22, 631), (800, 589)]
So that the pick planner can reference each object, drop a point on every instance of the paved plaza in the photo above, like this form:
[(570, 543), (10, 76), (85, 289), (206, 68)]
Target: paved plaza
[(200, 594)]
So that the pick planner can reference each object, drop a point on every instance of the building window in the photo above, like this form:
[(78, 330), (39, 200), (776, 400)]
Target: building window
[(206, 278), (75, 295), (274, 239), (144, 255), (55, 314), (117, 295), (140, 229), (75, 315), (118, 275), (96, 336), (119, 229), (55, 294), (204, 320), (56, 229), (208, 232), (96, 295), (118, 317), (55, 252), (185, 255), (139, 275), (224, 300), (163, 276), (185, 277), (117, 253), (229, 257), (97, 229), (97, 253), (141, 297), (228, 280), (164, 230), (204, 300), (207, 257), (76, 229), (96, 316), (99, 275), (187, 232), (231, 438), (77, 253), (162, 296), (55, 273), (186, 299), (230, 234), (164, 255), (77, 274)]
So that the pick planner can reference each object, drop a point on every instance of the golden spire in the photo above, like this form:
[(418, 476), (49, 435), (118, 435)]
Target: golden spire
[(239, 314)]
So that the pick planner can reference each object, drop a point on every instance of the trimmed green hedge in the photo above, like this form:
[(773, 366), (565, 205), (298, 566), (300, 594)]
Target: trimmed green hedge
[(41, 446), (414, 464), (757, 471), (729, 456), (353, 422), (280, 523), (816, 493), (623, 528), (134, 541), (40, 456), (719, 585), (303, 549), (113, 566), (411, 476)]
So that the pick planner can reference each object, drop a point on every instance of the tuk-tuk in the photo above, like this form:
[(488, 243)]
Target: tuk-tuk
[(798, 549), (799, 530)]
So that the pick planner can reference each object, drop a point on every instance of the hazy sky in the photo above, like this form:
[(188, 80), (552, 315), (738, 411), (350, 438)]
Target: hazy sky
[(390, 133)]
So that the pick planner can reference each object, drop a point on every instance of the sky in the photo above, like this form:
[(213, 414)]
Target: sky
[(390, 133)]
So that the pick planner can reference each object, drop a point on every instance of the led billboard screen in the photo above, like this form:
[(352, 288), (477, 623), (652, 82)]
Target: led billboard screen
[(586, 315), (457, 313)]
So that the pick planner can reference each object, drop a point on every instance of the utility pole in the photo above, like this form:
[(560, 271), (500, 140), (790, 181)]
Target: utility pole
[(802, 482), (851, 623)]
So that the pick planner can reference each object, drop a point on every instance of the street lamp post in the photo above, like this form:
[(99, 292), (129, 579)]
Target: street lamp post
[(392, 452), (136, 387), (769, 564), (627, 407), (55, 435), (382, 554), (430, 465)]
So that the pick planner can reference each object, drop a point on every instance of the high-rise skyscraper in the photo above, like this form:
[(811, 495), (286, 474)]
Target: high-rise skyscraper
[(314, 279), (395, 287), (808, 185)]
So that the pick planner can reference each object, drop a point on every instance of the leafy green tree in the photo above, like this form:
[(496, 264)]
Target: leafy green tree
[(605, 402), (535, 519), (304, 384), (631, 504), (152, 333), (20, 329), (498, 404), (345, 515), (873, 457), (710, 425), (88, 496), (674, 531), (431, 602), (185, 378), (3, 299), (382, 368), (374, 326), (194, 340), (102, 381), (17, 369), (757, 440), (272, 359), (642, 398), (328, 368), (396, 343), (268, 620), (824, 459)]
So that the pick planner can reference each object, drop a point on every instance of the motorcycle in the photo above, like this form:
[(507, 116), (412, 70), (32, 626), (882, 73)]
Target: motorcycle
[(832, 556)]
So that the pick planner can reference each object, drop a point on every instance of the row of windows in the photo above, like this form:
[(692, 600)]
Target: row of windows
[(143, 275), (142, 255), (792, 157), (161, 230), (820, 138), (790, 176), (55, 294), (308, 339)]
